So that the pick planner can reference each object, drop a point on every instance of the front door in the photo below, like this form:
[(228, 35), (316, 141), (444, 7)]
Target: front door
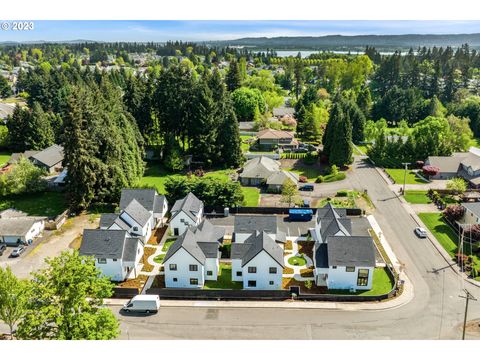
[(175, 231)]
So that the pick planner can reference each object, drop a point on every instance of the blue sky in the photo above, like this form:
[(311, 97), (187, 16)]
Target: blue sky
[(129, 30)]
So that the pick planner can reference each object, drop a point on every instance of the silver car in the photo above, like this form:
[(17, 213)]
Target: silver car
[(420, 232)]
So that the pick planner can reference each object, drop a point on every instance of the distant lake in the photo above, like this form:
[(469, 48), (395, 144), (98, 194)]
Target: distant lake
[(306, 53)]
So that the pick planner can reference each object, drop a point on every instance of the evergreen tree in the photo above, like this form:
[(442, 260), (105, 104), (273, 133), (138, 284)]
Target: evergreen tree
[(228, 140), (357, 119), (341, 149), (5, 89), (39, 133), (233, 78)]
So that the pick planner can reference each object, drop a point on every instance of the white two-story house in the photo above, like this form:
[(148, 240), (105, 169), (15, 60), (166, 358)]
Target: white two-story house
[(341, 261), (258, 262), (246, 225), (186, 212), (194, 257), (156, 204), (116, 253)]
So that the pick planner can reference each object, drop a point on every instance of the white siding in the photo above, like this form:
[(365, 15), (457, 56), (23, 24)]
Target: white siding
[(263, 262), (113, 269), (339, 278), (236, 266), (183, 260), (182, 221), (211, 264), (241, 237), (34, 231), (470, 218)]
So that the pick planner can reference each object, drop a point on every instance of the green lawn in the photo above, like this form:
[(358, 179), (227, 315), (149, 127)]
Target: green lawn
[(398, 174), (417, 197), (310, 172), (381, 285), (224, 279), (245, 146), (363, 148), (4, 156), (159, 258), (251, 196), (443, 232), (167, 244), (156, 175), (297, 261), (38, 204)]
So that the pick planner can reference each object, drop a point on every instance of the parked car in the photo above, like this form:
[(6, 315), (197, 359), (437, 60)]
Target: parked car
[(3, 246), (307, 187), (143, 303), (420, 232), (17, 251)]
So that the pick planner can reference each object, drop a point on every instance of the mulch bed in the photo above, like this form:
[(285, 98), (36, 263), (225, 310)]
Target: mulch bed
[(158, 282), (287, 282), (306, 247), (138, 282), (157, 236), (288, 245), (306, 272), (287, 270), (147, 252)]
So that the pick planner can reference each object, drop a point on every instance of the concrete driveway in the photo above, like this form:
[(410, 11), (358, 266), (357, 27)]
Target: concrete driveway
[(51, 244)]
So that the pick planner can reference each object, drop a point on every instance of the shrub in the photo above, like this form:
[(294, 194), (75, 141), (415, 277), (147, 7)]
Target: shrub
[(342, 193), (430, 170), (333, 170), (320, 179), (454, 212), (308, 284)]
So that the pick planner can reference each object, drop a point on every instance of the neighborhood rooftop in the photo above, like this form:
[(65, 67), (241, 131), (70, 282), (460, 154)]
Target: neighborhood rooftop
[(258, 241), (148, 198), (110, 244), (251, 223), (17, 226), (190, 204), (50, 156), (350, 251)]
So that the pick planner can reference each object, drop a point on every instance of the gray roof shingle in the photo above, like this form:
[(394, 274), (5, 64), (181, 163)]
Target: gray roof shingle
[(103, 243), (190, 204), (256, 243), (248, 224), (148, 198), (107, 220), (51, 156), (351, 251), (18, 226), (260, 168), (321, 255), (137, 212)]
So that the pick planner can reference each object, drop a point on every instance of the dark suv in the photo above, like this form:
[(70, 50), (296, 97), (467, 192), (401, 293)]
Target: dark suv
[(3, 246)]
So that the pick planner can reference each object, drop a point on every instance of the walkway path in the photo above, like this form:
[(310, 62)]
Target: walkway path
[(297, 268)]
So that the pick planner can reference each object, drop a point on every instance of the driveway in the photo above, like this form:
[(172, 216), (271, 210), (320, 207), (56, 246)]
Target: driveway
[(50, 245)]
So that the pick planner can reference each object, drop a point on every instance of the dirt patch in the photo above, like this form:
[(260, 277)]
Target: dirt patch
[(76, 243), (158, 282), (473, 327), (288, 245), (306, 247)]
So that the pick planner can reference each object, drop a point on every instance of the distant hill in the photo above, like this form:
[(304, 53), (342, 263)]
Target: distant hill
[(358, 42), (78, 41)]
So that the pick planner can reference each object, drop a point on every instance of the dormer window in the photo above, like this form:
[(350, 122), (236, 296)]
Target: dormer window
[(135, 228)]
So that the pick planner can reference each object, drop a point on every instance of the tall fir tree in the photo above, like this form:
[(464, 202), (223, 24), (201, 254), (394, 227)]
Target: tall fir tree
[(233, 78), (341, 149)]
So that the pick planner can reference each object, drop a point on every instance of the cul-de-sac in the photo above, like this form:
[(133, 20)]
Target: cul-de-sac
[(255, 188)]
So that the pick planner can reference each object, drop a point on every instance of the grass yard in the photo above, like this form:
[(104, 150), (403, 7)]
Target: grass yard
[(156, 175), (398, 174), (224, 279), (310, 172), (245, 146), (39, 204), (297, 261), (381, 285), (4, 156), (417, 197), (251, 196), (159, 258), (167, 244), (363, 149)]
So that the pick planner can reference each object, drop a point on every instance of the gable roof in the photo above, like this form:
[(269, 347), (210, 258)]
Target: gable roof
[(137, 212), (328, 211), (51, 156), (201, 242), (256, 243), (190, 204), (474, 207), (148, 198), (107, 220), (260, 168), (17, 226), (333, 226), (274, 134), (16, 156), (247, 224), (102, 243), (279, 177), (321, 255), (351, 251)]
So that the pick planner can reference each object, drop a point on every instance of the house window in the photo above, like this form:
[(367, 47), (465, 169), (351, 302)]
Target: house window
[(252, 270), (175, 231), (239, 273), (175, 279), (193, 267), (135, 228), (362, 279), (173, 267), (114, 259), (252, 283), (209, 273), (102, 261), (334, 266), (350, 269), (271, 282), (272, 270), (193, 281)]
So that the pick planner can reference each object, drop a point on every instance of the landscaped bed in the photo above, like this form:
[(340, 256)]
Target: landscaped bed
[(307, 272), (159, 258), (138, 282), (147, 252), (157, 236), (288, 245), (297, 261), (224, 279), (167, 244), (306, 247), (288, 270)]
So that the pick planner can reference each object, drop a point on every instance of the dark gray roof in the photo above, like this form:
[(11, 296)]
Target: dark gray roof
[(248, 224), (474, 207), (51, 156), (137, 212), (103, 243), (331, 226), (148, 198), (130, 249), (351, 251), (200, 241), (321, 255), (328, 211), (281, 237), (107, 220), (16, 156), (256, 243), (190, 204)]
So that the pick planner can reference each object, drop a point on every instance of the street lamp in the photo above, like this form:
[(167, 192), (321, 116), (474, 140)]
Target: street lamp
[(405, 177)]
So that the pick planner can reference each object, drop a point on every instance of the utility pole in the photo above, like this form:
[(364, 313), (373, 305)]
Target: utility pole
[(467, 298), (405, 177)]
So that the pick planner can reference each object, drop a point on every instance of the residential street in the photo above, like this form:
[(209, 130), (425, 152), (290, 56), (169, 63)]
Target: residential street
[(435, 312)]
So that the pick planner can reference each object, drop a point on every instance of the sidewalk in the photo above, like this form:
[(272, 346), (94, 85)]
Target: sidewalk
[(403, 299)]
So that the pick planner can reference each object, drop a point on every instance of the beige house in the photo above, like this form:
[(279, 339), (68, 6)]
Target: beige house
[(257, 170), (272, 138)]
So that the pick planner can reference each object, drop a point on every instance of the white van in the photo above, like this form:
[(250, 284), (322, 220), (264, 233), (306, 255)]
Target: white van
[(143, 303)]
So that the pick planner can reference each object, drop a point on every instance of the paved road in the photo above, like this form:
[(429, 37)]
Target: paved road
[(435, 312)]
